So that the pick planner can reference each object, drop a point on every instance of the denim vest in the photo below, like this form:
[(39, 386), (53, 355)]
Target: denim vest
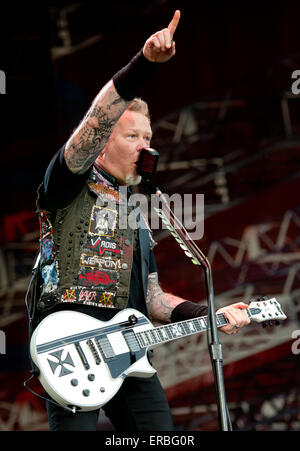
[(86, 256)]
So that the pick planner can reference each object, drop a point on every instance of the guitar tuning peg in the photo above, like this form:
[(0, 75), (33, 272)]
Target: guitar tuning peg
[(270, 323), (256, 299), (264, 325), (277, 323)]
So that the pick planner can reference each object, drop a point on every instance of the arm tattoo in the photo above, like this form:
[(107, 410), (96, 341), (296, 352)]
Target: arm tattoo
[(156, 301), (160, 304), (93, 132)]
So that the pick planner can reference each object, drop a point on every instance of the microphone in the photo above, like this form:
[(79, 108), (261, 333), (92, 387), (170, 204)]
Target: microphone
[(147, 163)]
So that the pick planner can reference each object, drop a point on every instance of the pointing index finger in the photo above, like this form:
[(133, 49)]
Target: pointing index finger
[(174, 22)]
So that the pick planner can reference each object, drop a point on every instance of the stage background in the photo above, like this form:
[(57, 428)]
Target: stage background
[(226, 125)]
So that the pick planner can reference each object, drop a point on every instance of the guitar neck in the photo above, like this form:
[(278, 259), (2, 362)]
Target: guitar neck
[(170, 332)]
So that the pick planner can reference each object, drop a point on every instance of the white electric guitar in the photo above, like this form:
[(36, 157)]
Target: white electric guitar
[(83, 362)]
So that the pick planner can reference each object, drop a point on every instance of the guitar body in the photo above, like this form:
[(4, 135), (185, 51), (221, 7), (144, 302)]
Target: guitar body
[(83, 361)]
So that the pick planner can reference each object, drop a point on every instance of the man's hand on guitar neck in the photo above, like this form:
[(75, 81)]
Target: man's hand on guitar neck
[(236, 316), (166, 307)]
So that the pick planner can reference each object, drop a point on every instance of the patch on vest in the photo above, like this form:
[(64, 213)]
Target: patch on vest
[(101, 246), (105, 191), (95, 278), (103, 221), (93, 261), (88, 297), (47, 251), (46, 239), (47, 248), (49, 276), (69, 295)]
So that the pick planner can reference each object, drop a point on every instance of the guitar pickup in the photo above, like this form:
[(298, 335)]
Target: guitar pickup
[(131, 341), (105, 347)]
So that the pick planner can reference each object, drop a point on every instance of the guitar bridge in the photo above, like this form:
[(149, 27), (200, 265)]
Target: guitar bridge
[(94, 351)]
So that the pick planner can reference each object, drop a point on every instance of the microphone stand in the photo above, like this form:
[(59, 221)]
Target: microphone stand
[(198, 258)]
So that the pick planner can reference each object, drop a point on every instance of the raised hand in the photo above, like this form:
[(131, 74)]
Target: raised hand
[(160, 47)]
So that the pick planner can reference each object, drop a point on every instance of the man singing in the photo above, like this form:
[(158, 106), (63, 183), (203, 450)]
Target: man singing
[(91, 265)]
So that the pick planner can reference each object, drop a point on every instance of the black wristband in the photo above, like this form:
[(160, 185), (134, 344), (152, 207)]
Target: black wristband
[(188, 310), (130, 78)]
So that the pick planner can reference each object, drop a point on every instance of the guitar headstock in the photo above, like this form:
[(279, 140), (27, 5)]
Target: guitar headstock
[(266, 311)]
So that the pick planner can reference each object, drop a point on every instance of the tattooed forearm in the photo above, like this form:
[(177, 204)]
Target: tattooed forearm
[(160, 304), (93, 132)]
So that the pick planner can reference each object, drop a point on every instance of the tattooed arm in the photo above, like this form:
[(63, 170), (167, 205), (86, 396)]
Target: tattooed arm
[(93, 132), (160, 304)]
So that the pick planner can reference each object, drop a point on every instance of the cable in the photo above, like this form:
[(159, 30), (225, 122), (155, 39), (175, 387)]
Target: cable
[(69, 409)]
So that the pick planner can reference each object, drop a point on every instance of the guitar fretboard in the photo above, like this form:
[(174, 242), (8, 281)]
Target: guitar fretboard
[(163, 334)]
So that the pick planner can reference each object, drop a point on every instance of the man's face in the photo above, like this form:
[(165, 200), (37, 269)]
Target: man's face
[(121, 153)]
